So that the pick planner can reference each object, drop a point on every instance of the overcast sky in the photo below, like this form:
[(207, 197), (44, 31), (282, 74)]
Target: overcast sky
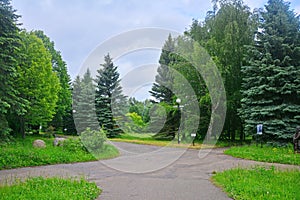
[(78, 26)]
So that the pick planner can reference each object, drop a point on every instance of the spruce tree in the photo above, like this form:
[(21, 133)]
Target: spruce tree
[(271, 82), (9, 43), (162, 88), (109, 98), (84, 103)]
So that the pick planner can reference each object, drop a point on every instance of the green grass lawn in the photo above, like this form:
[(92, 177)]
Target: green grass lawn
[(284, 155), (50, 188), (21, 153), (259, 183), (147, 139)]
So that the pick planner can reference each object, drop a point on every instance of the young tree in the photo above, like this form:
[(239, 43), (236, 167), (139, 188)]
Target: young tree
[(64, 102), (36, 82), (109, 97), (271, 83), (84, 103)]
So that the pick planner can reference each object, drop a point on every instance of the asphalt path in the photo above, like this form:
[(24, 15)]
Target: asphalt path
[(145, 172)]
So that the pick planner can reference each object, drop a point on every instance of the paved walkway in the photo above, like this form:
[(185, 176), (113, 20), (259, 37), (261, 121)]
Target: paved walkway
[(149, 176)]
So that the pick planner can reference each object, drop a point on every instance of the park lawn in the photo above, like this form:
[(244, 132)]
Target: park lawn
[(259, 183), (147, 139), (284, 155), (50, 188), (21, 153)]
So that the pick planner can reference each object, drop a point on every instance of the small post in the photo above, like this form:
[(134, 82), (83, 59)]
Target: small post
[(193, 135), (259, 133), (178, 101)]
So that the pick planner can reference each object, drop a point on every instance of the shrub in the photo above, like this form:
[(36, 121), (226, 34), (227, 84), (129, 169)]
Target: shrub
[(93, 140), (73, 145)]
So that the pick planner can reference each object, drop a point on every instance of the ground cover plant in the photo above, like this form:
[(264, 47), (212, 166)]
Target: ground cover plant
[(284, 155), (50, 188), (21, 153), (259, 183)]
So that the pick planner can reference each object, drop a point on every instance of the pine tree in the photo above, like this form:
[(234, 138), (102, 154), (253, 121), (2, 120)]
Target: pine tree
[(271, 83), (109, 98), (162, 88), (84, 103)]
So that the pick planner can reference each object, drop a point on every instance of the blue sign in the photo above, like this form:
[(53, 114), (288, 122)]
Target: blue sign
[(259, 129)]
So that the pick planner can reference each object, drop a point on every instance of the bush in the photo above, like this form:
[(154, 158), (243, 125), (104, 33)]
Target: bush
[(73, 145), (93, 140)]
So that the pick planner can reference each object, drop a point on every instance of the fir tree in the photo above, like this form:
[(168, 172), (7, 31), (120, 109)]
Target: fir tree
[(84, 103), (9, 43), (162, 88), (109, 98), (271, 82)]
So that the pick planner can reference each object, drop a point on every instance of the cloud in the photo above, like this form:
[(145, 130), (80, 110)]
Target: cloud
[(78, 26)]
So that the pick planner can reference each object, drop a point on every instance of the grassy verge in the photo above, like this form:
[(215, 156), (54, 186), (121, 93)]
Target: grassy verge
[(147, 139), (284, 155), (259, 183), (50, 188), (21, 153)]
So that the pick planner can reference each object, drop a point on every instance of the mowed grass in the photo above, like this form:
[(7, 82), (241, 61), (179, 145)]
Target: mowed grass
[(21, 153), (259, 183), (147, 139), (284, 155), (50, 188)]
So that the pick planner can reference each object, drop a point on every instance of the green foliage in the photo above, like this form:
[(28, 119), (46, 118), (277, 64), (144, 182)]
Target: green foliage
[(137, 119), (84, 103), (50, 188), (110, 102), (284, 155), (22, 154), (141, 108), (64, 103), (135, 123), (259, 183), (73, 145), (36, 82), (9, 44), (162, 89), (93, 140), (224, 33), (271, 81)]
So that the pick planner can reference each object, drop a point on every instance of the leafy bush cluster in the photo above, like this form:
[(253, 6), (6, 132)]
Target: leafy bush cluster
[(93, 140)]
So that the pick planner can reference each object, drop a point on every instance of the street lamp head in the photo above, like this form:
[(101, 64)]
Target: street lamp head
[(178, 100)]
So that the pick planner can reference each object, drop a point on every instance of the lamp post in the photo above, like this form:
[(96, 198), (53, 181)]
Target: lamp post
[(178, 101)]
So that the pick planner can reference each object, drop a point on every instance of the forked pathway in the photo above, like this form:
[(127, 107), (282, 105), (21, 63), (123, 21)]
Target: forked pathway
[(186, 178)]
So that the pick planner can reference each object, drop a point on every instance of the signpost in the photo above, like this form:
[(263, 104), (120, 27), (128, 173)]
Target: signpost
[(193, 135), (259, 132)]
